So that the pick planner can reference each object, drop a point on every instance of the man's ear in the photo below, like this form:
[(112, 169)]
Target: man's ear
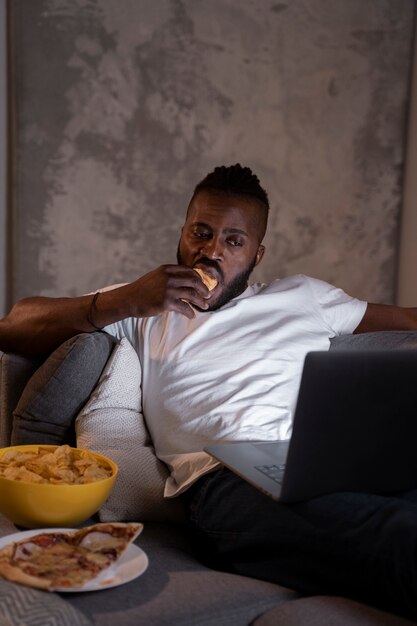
[(259, 254)]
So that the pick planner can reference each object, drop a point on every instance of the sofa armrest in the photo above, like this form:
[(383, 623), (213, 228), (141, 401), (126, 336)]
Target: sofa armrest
[(15, 371), (382, 340)]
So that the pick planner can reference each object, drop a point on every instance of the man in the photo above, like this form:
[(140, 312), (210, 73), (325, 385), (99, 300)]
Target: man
[(225, 365)]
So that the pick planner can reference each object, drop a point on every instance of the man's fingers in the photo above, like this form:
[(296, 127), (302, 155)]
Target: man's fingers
[(190, 295), (169, 288), (185, 277), (185, 308)]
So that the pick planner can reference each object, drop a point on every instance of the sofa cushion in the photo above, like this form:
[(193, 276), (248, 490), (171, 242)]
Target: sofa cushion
[(178, 590), (21, 605), (57, 390), (319, 610), (382, 340), (112, 424)]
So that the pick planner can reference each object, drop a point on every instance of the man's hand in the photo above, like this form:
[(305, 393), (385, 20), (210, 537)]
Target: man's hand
[(167, 288)]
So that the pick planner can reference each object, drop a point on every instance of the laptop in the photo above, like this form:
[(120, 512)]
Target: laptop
[(354, 429)]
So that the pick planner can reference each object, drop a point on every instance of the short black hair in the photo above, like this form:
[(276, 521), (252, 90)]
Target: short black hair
[(234, 179)]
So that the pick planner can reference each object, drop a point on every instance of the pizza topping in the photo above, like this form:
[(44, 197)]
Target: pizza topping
[(25, 550)]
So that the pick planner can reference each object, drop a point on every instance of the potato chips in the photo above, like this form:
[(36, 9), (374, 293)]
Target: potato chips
[(64, 465)]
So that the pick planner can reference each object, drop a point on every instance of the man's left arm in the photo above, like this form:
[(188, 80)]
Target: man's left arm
[(387, 317)]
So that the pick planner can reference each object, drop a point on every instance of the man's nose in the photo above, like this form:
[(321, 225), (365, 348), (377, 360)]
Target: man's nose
[(212, 249)]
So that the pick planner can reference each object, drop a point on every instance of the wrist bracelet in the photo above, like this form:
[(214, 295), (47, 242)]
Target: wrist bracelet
[(91, 311)]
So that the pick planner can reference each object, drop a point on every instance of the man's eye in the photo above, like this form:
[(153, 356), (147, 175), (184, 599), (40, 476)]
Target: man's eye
[(235, 243), (202, 235)]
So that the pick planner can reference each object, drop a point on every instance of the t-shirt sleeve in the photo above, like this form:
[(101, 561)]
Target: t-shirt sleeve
[(125, 328), (341, 312)]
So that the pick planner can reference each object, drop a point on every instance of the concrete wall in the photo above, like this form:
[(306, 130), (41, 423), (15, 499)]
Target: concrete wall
[(3, 158), (122, 106), (407, 270)]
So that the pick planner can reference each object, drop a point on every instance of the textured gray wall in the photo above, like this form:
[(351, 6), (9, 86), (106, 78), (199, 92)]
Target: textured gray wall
[(123, 105), (3, 158)]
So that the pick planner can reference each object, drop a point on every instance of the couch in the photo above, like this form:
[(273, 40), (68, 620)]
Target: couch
[(85, 394)]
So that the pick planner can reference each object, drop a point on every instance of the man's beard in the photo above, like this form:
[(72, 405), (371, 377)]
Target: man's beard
[(230, 291)]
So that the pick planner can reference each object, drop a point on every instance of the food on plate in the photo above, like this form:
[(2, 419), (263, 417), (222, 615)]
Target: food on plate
[(208, 280), (66, 559), (64, 465)]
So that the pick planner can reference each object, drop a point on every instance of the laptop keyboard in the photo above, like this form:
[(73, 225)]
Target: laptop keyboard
[(275, 472)]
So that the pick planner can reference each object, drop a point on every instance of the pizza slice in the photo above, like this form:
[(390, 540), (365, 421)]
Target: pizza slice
[(67, 559), (209, 281)]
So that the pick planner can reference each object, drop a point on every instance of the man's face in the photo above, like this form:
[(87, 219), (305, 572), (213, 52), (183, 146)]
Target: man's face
[(222, 235)]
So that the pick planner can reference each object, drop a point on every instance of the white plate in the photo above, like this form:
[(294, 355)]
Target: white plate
[(131, 564)]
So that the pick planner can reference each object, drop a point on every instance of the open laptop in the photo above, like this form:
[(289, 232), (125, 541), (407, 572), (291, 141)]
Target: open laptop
[(355, 429)]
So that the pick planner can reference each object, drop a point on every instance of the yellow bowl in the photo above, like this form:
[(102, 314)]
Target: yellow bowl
[(34, 505)]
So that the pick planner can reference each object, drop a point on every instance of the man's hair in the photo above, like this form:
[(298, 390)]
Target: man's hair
[(234, 179)]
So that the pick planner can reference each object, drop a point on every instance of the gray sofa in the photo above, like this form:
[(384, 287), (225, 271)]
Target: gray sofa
[(176, 588)]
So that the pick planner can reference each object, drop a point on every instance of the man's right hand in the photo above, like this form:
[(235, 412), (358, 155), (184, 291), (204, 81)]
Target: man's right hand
[(167, 288)]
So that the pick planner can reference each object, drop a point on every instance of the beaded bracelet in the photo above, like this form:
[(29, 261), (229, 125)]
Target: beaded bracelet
[(91, 311)]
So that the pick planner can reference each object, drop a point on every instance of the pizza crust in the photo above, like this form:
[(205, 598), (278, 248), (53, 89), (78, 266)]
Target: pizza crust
[(16, 575)]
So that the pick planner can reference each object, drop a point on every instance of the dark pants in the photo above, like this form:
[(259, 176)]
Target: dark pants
[(356, 545)]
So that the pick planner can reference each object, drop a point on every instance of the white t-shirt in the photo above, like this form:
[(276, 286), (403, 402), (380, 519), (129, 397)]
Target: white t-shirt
[(231, 374)]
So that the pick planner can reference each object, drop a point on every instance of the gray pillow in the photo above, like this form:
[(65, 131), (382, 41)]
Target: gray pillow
[(23, 605), (58, 390)]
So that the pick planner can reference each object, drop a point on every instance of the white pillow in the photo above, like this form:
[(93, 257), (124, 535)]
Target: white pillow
[(112, 424)]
